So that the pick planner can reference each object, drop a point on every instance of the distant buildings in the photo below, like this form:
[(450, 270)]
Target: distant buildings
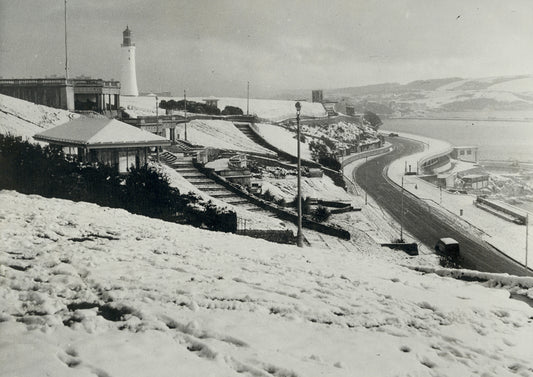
[(211, 101), (78, 94), (465, 153), (317, 96), (129, 76)]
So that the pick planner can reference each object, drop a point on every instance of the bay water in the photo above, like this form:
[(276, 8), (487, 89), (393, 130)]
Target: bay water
[(497, 140)]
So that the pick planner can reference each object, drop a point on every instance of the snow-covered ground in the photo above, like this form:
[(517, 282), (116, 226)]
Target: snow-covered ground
[(274, 110), (283, 139), (86, 290), (320, 188), (22, 118), (218, 134), (510, 238), (253, 220)]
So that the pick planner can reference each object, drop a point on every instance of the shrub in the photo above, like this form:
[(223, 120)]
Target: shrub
[(321, 214), (32, 169), (267, 195), (321, 152), (190, 106), (306, 204), (281, 202), (232, 110)]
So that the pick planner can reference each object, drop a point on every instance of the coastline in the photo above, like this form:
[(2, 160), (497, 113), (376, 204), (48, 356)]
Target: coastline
[(506, 236)]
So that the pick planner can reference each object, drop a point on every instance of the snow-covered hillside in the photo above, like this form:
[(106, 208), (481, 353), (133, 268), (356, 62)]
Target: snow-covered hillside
[(22, 118), (507, 97), (274, 110), (87, 291), (219, 134), (283, 139)]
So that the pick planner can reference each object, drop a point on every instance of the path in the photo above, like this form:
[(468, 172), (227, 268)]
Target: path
[(425, 222)]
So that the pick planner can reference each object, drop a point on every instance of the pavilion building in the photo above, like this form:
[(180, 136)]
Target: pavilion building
[(106, 141)]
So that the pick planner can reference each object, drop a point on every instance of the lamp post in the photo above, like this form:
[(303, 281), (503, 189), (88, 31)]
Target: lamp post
[(299, 235), (401, 218), (185, 107), (527, 236), (366, 188), (157, 121)]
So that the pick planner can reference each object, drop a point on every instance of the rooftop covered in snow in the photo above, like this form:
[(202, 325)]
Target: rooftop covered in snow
[(94, 133)]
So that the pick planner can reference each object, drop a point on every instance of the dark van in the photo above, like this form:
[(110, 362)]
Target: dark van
[(447, 247)]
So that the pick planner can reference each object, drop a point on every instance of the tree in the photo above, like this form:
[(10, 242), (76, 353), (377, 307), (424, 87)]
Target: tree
[(322, 153), (372, 119), (232, 110)]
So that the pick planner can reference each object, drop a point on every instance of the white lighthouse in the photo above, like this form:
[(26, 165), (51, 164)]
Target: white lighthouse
[(128, 82)]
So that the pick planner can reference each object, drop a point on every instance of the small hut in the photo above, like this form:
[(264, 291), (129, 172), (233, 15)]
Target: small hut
[(107, 141)]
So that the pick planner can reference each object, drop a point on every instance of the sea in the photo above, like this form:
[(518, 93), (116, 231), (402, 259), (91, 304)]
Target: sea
[(509, 141)]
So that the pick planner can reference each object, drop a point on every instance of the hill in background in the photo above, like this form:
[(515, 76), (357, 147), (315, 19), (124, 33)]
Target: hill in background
[(509, 97)]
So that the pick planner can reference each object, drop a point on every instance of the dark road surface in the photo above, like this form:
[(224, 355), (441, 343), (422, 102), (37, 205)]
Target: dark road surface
[(428, 225)]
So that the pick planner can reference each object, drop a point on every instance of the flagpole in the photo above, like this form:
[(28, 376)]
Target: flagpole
[(66, 46)]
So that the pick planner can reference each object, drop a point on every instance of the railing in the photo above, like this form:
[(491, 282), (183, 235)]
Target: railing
[(58, 81), (61, 81)]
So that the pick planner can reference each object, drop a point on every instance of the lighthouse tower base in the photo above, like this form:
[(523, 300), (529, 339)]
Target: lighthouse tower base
[(128, 81)]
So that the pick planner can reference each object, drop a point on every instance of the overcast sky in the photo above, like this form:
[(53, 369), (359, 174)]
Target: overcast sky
[(213, 47)]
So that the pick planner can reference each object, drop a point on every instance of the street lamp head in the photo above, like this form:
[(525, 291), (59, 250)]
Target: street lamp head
[(298, 106)]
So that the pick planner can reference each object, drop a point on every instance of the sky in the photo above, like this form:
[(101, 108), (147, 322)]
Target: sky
[(214, 47)]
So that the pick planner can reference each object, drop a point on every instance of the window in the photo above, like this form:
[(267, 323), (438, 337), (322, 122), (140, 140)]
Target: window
[(127, 159)]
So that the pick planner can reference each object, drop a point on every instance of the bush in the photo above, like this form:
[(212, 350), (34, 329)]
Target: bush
[(448, 261), (192, 107), (267, 195), (232, 110), (321, 214), (330, 162), (372, 119), (306, 204), (32, 169), (321, 152)]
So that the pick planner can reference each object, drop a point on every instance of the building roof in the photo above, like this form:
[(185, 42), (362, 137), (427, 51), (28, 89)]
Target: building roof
[(475, 176), (100, 133), (448, 241)]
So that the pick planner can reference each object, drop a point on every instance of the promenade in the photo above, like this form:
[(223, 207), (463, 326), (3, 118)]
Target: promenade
[(508, 237)]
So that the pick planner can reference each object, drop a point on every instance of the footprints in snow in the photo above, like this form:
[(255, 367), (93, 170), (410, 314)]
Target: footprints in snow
[(72, 360)]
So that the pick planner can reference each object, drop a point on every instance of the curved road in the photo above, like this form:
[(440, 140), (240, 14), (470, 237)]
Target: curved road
[(424, 224)]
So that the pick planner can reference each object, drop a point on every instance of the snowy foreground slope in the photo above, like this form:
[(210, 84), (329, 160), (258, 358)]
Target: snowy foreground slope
[(22, 118), (87, 291)]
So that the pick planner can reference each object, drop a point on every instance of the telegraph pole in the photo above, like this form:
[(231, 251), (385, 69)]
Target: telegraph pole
[(66, 46), (527, 235), (299, 235), (157, 121)]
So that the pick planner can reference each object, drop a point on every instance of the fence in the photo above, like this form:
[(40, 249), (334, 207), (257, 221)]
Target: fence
[(506, 212)]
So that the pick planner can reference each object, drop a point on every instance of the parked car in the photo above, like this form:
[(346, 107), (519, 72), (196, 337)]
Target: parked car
[(393, 134), (448, 247)]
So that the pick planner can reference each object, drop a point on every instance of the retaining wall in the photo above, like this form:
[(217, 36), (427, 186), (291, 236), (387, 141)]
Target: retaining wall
[(370, 153), (278, 236), (519, 217)]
